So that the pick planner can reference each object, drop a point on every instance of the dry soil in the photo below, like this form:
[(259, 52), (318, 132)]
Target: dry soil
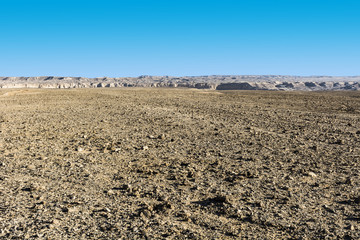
[(179, 164)]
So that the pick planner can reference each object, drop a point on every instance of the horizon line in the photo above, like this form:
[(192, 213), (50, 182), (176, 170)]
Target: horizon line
[(192, 76)]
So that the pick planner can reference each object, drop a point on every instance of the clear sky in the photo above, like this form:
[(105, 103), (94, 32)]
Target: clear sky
[(179, 37)]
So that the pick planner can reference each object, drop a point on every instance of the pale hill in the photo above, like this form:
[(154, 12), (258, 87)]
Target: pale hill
[(218, 82)]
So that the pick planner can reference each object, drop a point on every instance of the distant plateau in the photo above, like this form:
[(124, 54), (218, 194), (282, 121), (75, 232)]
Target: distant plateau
[(211, 82)]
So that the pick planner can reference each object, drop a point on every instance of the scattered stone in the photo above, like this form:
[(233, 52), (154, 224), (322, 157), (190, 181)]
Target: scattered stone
[(31, 167), (73, 210), (126, 187), (147, 213), (327, 208), (80, 149), (111, 192), (104, 150), (194, 188), (56, 222), (161, 136)]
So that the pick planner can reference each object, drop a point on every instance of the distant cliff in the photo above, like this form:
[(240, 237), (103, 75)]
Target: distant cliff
[(214, 82)]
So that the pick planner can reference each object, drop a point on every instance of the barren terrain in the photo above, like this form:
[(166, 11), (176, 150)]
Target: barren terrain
[(178, 164)]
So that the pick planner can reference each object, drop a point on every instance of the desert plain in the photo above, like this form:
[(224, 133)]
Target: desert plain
[(146, 163)]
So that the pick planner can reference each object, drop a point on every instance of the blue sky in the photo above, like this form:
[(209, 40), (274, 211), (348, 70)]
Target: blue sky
[(179, 37)]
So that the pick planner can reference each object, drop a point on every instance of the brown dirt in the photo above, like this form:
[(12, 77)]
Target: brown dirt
[(177, 164)]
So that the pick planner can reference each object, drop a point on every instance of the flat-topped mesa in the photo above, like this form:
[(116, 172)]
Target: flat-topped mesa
[(211, 82)]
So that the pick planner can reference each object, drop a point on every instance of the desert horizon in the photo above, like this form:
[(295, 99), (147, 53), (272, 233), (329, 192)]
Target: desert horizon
[(211, 82), (209, 119)]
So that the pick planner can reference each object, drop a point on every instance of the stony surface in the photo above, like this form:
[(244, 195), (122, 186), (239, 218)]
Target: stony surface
[(178, 164), (218, 82)]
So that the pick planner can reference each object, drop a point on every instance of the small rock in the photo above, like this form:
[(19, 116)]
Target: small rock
[(127, 187), (163, 198), (110, 192), (31, 167), (185, 215), (151, 137), (143, 217), (104, 150), (329, 209), (147, 213), (73, 210), (288, 177), (299, 206), (161, 136), (80, 149), (145, 148), (312, 174), (56, 222)]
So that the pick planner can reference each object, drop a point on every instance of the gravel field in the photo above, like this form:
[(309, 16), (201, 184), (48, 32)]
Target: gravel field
[(142, 163)]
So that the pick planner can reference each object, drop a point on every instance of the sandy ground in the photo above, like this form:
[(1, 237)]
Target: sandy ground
[(179, 164)]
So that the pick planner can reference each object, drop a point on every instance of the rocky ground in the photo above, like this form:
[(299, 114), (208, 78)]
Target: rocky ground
[(178, 164)]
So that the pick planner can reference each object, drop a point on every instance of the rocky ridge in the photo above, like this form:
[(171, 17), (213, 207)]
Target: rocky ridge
[(214, 82)]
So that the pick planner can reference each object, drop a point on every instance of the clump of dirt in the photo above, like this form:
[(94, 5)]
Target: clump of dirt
[(178, 164)]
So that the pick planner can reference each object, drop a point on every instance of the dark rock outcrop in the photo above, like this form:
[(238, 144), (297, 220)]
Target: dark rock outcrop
[(235, 86)]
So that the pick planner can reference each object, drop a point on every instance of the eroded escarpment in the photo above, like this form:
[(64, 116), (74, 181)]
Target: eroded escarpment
[(218, 82)]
